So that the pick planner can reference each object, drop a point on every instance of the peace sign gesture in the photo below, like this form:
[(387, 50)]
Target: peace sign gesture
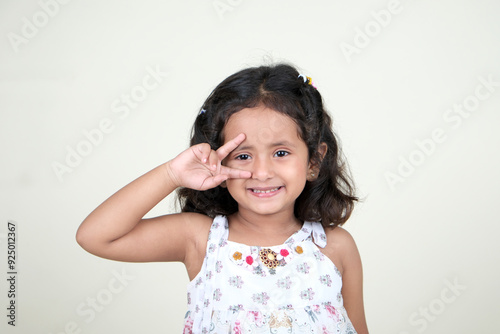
[(200, 168)]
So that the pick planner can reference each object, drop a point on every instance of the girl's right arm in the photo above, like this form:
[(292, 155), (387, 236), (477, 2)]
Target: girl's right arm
[(116, 230)]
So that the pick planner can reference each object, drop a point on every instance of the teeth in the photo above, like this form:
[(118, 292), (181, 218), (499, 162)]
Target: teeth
[(264, 191)]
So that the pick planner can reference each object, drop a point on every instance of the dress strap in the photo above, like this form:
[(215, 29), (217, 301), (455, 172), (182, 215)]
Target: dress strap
[(219, 231), (314, 229), (319, 235)]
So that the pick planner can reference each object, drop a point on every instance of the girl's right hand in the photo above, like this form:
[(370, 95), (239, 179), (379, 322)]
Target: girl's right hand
[(200, 168)]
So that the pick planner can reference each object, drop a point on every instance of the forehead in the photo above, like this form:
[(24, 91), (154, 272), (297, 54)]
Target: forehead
[(261, 124)]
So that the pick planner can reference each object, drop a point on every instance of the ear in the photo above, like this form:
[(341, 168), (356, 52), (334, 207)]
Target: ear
[(314, 165)]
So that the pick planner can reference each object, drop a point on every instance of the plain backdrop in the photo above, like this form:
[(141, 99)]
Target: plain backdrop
[(414, 91)]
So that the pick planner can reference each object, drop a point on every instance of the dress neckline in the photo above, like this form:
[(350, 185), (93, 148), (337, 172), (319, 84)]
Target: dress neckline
[(308, 229)]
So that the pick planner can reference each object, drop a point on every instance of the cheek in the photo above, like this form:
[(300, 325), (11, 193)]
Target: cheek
[(233, 184), (235, 187)]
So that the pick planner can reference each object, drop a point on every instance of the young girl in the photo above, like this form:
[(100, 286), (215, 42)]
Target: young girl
[(263, 190)]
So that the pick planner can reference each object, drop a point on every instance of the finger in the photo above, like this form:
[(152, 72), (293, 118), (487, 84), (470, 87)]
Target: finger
[(213, 161), (202, 152), (213, 181), (233, 173), (228, 147)]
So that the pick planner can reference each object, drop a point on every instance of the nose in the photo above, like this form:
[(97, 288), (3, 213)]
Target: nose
[(262, 168)]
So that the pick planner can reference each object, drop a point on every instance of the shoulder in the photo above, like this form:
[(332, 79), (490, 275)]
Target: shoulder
[(189, 228), (196, 221), (341, 247), (341, 244), (338, 237), (185, 222)]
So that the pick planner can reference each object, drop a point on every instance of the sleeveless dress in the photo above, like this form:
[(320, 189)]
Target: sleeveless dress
[(289, 288)]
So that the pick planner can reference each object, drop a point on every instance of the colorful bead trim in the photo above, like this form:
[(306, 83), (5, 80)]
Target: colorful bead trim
[(237, 256), (269, 258)]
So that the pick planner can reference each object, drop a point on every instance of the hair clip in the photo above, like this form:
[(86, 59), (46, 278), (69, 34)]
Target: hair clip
[(303, 77), (307, 79), (202, 111)]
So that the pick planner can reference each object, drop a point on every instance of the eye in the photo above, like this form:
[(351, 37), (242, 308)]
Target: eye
[(242, 157), (281, 154)]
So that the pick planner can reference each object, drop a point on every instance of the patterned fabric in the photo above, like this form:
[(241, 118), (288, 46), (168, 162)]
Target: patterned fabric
[(289, 288)]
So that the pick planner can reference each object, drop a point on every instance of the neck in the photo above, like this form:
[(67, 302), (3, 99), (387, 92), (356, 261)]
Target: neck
[(248, 227)]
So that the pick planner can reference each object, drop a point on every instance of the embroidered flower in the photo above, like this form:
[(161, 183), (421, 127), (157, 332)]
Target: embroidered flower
[(218, 266), (251, 261), (211, 248), (269, 258), (260, 298), (199, 281), (299, 250), (303, 268), (284, 283), (319, 256), (281, 256), (217, 294), (307, 294), (326, 280), (236, 281), (237, 256)]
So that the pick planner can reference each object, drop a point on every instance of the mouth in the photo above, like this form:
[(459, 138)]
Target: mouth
[(265, 191)]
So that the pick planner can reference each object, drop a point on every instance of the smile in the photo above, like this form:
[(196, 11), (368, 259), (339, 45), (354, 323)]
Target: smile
[(266, 191)]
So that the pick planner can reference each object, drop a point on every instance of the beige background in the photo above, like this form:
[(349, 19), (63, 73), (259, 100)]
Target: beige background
[(429, 239)]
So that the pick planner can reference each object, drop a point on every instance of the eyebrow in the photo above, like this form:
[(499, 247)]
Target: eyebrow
[(279, 143)]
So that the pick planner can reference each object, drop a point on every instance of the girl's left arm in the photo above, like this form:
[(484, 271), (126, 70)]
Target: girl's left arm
[(352, 282)]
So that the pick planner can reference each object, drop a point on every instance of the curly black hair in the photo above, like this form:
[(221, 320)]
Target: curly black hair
[(329, 198)]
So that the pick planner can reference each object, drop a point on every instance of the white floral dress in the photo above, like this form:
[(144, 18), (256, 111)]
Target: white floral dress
[(290, 288)]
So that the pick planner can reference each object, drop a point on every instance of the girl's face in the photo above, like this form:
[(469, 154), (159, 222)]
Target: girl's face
[(275, 155)]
